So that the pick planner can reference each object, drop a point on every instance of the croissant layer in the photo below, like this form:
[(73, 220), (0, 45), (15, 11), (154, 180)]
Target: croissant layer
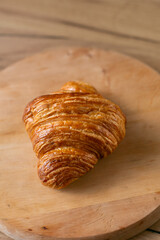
[(71, 130)]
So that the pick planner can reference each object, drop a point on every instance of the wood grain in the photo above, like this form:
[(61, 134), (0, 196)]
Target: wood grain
[(131, 27), (147, 235), (25, 30), (156, 227), (4, 237)]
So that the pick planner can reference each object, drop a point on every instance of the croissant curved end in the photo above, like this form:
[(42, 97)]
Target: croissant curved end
[(71, 130)]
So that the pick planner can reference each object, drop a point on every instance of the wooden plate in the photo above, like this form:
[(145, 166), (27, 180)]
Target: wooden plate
[(121, 196)]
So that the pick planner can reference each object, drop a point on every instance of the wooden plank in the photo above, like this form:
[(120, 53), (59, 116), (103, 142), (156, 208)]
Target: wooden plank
[(156, 227), (147, 235), (111, 16), (16, 46), (114, 27), (4, 237)]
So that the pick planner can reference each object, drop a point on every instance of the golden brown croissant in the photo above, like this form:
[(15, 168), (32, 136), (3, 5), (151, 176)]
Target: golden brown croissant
[(70, 130)]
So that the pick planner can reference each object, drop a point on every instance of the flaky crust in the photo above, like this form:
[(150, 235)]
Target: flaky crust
[(71, 130)]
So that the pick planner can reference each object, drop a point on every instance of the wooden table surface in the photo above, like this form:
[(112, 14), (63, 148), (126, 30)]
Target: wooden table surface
[(130, 27)]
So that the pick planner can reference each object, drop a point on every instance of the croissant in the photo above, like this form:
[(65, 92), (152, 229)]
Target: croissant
[(71, 130)]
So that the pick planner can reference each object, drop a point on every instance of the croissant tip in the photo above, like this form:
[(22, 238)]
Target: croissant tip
[(78, 86)]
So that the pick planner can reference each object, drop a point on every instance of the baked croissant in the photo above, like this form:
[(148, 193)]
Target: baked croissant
[(71, 130)]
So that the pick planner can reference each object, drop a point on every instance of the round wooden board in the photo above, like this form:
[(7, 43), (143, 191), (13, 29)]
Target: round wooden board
[(117, 199)]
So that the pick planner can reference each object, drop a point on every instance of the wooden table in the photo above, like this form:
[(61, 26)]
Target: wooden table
[(130, 27)]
